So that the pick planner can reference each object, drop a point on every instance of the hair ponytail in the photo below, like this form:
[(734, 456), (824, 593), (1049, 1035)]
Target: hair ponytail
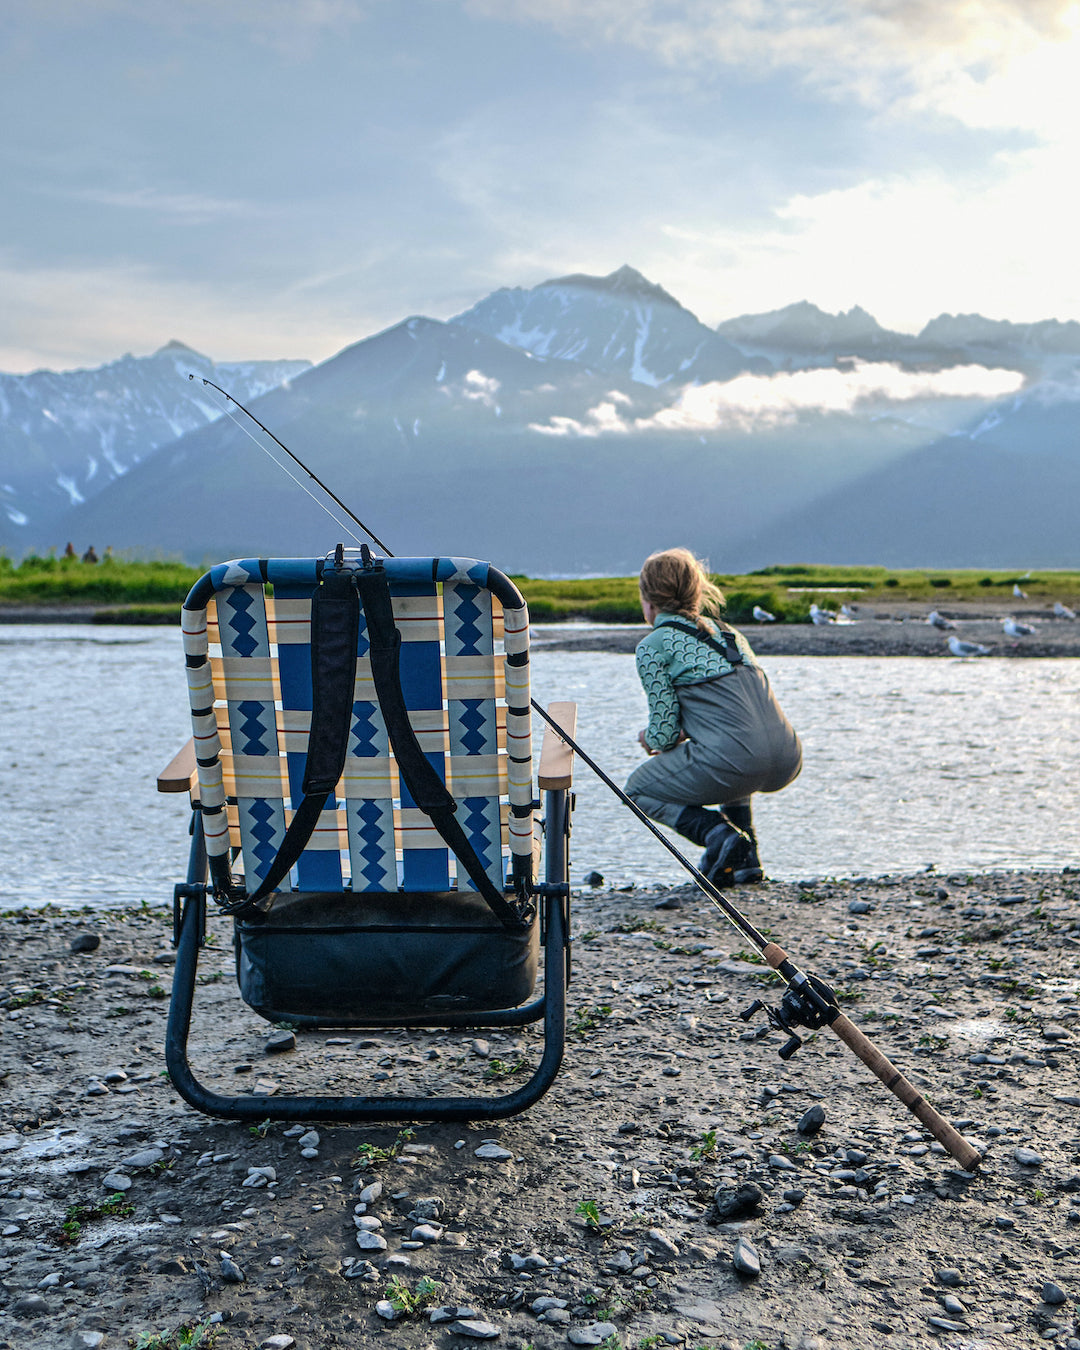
[(677, 582)]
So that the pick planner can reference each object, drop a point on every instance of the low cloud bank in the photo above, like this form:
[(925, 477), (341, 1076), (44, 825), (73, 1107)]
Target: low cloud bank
[(755, 402)]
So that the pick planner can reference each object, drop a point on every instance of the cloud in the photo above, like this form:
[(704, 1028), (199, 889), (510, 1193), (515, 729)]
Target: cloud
[(481, 388), (757, 402), (187, 208)]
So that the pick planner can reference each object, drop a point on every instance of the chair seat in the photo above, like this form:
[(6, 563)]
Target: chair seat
[(344, 959)]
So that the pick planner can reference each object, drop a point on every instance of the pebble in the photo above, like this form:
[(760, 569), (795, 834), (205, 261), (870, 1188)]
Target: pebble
[(953, 1306), (116, 1181), (493, 1153), (949, 1276), (309, 1140), (230, 1271), (369, 1241), (479, 1331), (946, 1324), (481, 1048), (738, 1203), (781, 1164), (29, 1305), (279, 1041), (813, 1120), (1053, 1294), (386, 1309), (85, 942), (371, 1193), (283, 1341), (1027, 1157), (368, 1222), (859, 907), (88, 1340), (660, 1239), (594, 1334), (146, 1157), (745, 1259), (426, 1232), (452, 1312)]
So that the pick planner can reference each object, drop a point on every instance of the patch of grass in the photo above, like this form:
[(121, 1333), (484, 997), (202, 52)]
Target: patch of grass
[(932, 1042), (588, 1019), (752, 958), (501, 1068), (638, 926), (371, 1155), (187, 1336), (77, 1216), (27, 999), (590, 936), (706, 1147), (408, 1301), (590, 1212)]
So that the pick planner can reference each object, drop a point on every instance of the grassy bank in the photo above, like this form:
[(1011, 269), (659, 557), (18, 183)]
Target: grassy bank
[(133, 591)]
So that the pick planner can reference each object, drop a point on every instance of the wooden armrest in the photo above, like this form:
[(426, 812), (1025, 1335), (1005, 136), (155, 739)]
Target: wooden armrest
[(180, 771), (556, 758)]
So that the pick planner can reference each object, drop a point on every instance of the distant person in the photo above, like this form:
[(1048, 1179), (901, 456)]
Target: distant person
[(716, 733), (69, 552), (90, 556)]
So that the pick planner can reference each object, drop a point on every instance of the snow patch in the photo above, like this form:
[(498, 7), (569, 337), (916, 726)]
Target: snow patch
[(16, 517), (69, 486)]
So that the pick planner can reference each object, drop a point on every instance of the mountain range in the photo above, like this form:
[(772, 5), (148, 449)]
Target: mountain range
[(572, 428)]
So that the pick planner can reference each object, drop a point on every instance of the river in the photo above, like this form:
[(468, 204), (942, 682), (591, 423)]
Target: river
[(964, 766)]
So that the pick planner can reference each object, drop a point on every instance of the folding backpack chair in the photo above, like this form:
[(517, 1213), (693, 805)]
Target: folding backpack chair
[(362, 755)]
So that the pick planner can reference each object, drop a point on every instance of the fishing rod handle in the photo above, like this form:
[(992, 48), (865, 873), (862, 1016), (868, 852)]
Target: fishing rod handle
[(967, 1156)]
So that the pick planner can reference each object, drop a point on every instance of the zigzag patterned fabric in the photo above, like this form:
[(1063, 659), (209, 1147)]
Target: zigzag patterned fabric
[(249, 678)]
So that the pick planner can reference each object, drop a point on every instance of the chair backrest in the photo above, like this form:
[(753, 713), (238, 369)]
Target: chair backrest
[(250, 682)]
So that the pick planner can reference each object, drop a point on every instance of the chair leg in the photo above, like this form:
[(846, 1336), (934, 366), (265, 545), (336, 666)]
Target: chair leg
[(346, 1109)]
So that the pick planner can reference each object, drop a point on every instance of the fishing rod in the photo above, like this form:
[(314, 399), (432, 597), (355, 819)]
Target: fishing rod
[(807, 1001), (296, 458)]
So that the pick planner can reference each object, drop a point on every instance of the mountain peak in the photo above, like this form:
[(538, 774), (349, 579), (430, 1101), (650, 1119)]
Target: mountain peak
[(625, 281), (174, 347)]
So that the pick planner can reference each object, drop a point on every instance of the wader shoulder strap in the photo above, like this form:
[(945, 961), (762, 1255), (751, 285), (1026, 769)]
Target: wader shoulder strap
[(428, 790), (728, 649), (335, 628)]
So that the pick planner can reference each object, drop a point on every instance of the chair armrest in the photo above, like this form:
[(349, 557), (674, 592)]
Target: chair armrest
[(556, 770), (179, 774)]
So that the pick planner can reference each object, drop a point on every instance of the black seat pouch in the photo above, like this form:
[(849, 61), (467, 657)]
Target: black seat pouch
[(344, 959)]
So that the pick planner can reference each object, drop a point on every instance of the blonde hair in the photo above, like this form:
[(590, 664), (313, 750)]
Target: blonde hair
[(678, 583)]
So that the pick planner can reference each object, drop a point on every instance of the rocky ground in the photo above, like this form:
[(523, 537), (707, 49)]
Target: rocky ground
[(879, 628), (679, 1185)]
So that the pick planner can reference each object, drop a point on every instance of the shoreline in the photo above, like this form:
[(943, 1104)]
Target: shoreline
[(675, 1119), (879, 629)]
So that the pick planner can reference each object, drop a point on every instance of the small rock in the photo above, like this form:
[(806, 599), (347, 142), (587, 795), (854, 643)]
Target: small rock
[(386, 1310), (279, 1041), (146, 1157), (87, 1340), (493, 1153), (480, 1047), (946, 1324), (85, 942), (745, 1260), (309, 1140), (949, 1276), (1027, 1157), (452, 1312), (594, 1334), (29, 1305), (594, 878), (659, 1239), (813, 1120), (368, 1241), (116, 1181), (953, 1306), (230, 1271), (426, 1232), (859, 907), (1052, 1294), (736, 1204), (371, 1193), (781, 1164), (479, 1331), (283, 1341)]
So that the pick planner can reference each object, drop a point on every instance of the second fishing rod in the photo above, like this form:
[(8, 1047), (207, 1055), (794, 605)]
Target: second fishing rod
[(807, 1002)]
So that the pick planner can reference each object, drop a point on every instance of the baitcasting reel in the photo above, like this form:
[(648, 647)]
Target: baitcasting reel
[(813, 1006)]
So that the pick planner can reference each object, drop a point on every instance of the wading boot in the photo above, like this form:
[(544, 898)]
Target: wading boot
[(728, 852), (696, 822), (748, 869)]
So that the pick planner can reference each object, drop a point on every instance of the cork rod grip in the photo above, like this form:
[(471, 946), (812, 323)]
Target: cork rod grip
[(967, 1156)]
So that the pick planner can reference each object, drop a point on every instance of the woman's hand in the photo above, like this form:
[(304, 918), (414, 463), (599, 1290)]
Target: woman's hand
[(644, 743)]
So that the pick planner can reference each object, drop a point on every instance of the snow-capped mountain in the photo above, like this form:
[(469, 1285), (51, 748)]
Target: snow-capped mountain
[(64, 435), (619, 324), (806, 330)]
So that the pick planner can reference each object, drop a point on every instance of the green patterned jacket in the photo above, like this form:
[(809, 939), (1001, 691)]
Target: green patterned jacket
[(668, 658)]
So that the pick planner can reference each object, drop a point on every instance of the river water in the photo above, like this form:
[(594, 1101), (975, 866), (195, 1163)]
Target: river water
[(965, 765)]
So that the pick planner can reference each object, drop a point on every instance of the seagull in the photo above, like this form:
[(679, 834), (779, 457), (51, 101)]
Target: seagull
[(938, 621), (821, 615), (959, 647), (763, 615), (1020, 595), (1015, 629), (848, 611), (1063, 611)]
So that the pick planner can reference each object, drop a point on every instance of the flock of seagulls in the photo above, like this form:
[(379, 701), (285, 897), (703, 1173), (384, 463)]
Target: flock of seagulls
[(1011, 627)]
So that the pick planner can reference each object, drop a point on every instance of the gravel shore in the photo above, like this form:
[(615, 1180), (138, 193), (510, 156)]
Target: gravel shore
[(680, 1184)]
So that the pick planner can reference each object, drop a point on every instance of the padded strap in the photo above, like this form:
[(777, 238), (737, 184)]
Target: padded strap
[(335, 628), (428, 790), (728, 649)]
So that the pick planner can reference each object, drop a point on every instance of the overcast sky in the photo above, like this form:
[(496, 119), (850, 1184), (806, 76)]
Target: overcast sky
[(278, 178)]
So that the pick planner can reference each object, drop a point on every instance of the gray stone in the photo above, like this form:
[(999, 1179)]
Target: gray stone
[(230, 1271), (479, 1331), (596, 1333), (279, 1041), (368, 1241), (947, 1324), (736, 1204), (859, 907), (1052, 1294), (813, 1120), (745, 1259), (452, 1312), (659, 1239), (779, 1163), (387, 1311), (87, 1340), (146, 1157), (29, 1305), (493, 1153), (1027, 1157), (309, 1140), (116, 1181), (371, 1193), (481, 1048), (426, 1232), (949, 1276), (85, 942), (282, 1341), (953, 1306)]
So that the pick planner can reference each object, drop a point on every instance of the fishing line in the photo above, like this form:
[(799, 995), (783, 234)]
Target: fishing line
[(296, 458)]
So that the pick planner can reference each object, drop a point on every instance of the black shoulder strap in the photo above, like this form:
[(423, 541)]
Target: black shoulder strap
[(728, 649), (335, 627), (428, 790)]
